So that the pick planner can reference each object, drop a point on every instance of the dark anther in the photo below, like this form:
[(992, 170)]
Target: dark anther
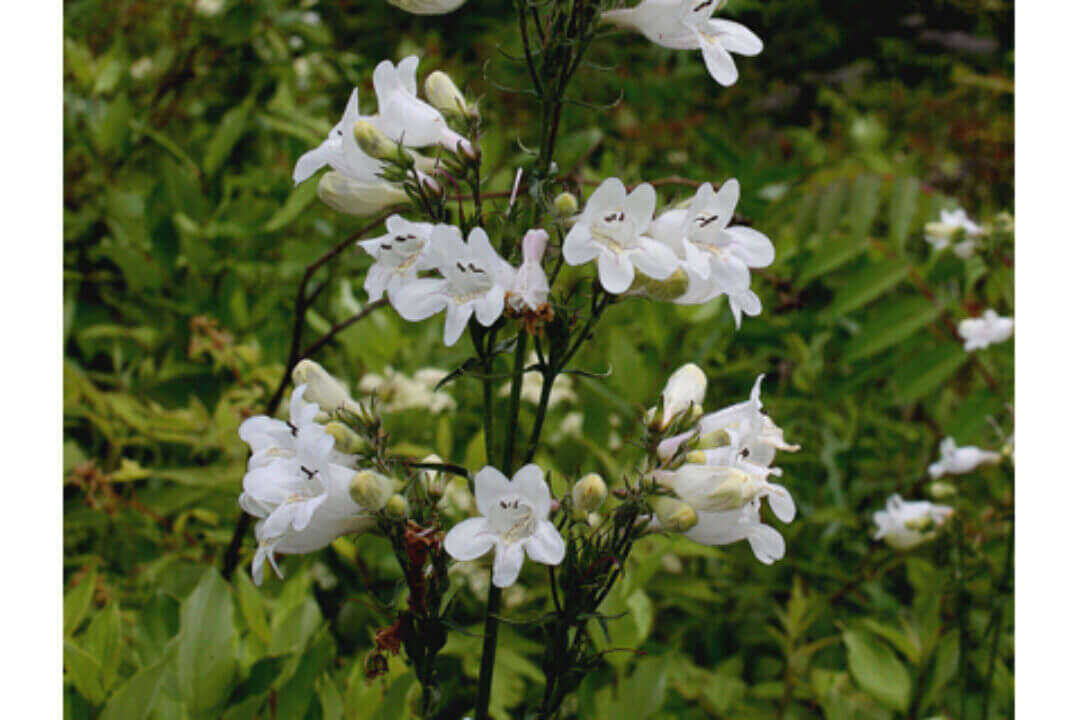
[(386, 246), (310, 473), (293, 429), (461, 267)]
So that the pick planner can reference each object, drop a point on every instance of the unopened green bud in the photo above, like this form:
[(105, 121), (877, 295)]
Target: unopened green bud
[(376, 144), (565, 204), (370, 490), (672, 514), (444, 95), (397, 507), (323, 389), (713, 439), (346, 439), (589, 493), (671, 288), (940, 490)]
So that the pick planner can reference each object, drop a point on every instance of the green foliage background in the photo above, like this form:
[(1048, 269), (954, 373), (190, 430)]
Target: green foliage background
[(184, 241)]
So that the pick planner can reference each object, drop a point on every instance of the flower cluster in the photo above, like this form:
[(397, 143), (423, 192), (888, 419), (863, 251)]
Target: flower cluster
[(719, 469)]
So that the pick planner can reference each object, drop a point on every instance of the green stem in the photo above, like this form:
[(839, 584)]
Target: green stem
[(515, 402)]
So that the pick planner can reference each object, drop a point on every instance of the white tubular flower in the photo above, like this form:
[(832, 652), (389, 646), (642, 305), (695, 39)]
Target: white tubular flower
[(300, 497), (943, 233), (961, 460), (717, 488), (903, 525), (427, 7), (982, 332), (530, 287), (717, 257), (514, 522), (406, 118), (611, 230), (399, 255), (730, 526), (359, 197), (475, 280), (322, 388), (688, 25), (685, 389)]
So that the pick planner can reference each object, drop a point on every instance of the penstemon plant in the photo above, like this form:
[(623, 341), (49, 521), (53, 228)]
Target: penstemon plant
[(499, 273)]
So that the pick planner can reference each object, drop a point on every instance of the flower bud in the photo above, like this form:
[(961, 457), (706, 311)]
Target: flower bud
[(444, 95), (710, 440), (589, 493), (685, 391), (673, 515), (671, 288), (433, 482), (376, 144), (533, 245), (565, 204), (323, 389), (346, 439), (359, 197), (397, 507), (940, 490), (370, 490), (431, 185)]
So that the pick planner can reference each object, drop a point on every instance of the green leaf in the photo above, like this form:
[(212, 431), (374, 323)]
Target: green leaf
[(232, 127), (865, 199), (896, 320), (832, 204), (864, 286), (135, 698), (877, 670), (252, 607), (84, 672), (832, 254), (102, 640), (902, 209), (77, 602), (644, 693), (330, 699), (297, 202), (926, 371), (206, 660), (946, 665)]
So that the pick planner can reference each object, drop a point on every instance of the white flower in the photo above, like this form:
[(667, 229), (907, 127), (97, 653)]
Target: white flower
[(514, 522), (405, 118), (982, 332), (961, 460), (729, 486), (474, 280), (399, 255), (296, 485), (717, 257), (688, 25), (942, 233), (685, 389), (427, 7), (530, 287), (209, 8), (611, 230), (359, 197), (903, 525), (397, 391), (730, 526)]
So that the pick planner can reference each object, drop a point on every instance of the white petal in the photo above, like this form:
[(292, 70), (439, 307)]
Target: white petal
[(469, 539), (767, 543), (781, 502), (752, 247), (420, 299), (579, 247), (457, 317), (654, 259), (406, 72), (641, 203), (490, 307), (507, 565), (736, 38), (616, 272), (609, 194), (312, 161), (546, 545), (718, 61), (491, 485), (529, 483)]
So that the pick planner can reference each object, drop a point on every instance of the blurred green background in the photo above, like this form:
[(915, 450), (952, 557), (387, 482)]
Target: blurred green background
[(184, 242)]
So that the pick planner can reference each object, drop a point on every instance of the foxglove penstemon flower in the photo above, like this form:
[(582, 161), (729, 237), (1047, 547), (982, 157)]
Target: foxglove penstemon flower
[(717, 257), (299, 491), (611, 230), (942, 234), (982, 332), (428, 7), (688, 25), (961, 460), (530, 287), (731, 526), (399, 255), (903, 525), (474, 280), (514, 522)]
